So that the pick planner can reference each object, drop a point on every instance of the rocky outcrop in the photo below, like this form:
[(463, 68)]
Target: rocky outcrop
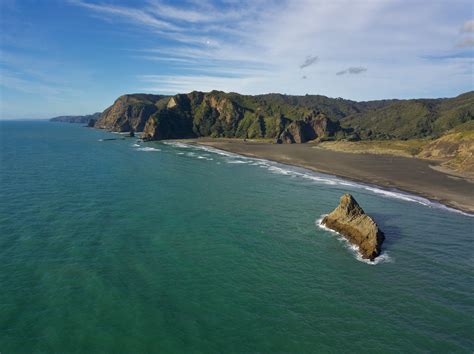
[(351, 221), (173, 120), (91, 123), (313, 126), (128, 112), (297, 132), (194, 115)]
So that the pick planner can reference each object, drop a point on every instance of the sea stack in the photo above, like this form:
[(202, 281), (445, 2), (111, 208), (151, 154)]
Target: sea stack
[(351, 222)]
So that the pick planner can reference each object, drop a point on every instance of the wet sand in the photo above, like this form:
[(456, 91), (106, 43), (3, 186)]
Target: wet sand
[(407, 174)]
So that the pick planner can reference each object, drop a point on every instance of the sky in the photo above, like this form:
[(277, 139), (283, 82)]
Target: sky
[(77, 56)]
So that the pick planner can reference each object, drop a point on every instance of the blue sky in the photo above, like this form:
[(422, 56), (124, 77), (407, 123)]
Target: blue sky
[(77, 56)]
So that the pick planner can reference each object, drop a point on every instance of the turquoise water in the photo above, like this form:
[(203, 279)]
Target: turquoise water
[(110, 247)]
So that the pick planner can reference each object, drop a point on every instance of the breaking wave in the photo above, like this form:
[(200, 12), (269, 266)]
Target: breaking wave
[(177, 144), (148, 149), (205, 158)]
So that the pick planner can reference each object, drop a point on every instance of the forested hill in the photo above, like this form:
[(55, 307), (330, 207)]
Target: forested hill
[(285, 118)]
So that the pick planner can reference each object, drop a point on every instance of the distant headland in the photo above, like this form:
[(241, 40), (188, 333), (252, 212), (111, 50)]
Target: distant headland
[(85, 119)]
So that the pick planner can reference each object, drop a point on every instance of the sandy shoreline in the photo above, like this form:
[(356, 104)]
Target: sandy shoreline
[(406, 174)]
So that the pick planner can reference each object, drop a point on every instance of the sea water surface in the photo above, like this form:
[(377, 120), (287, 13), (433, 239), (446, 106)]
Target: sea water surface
[(121, 246)]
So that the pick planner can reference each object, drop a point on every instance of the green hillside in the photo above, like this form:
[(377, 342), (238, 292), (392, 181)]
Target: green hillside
[(285, 118)]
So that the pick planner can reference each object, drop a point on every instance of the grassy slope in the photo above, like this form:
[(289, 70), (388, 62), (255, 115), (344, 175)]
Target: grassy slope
[(407, 148), (455, 148)]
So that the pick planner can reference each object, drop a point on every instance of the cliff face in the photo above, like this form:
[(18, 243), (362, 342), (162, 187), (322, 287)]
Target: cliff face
[(351, 221), (214, 115), (171, 121), (311, 127), (129, 112)]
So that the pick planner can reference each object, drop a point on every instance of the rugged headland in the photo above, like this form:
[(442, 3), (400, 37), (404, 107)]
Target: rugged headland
[(356, 226), (283, 118)]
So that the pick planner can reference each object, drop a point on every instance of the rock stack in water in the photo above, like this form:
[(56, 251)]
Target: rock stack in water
[(351, 221)]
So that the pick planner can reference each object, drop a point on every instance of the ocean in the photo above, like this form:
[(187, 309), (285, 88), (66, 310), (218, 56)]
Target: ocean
[(121, 246)]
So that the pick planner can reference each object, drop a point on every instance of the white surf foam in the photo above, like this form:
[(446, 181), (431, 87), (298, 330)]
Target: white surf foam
[(135, 145), (260, 164), (313, 177), (236, 161), (205, 158), (384, 257), (398, 195), (218, 152), (177, 144), (148, 149)]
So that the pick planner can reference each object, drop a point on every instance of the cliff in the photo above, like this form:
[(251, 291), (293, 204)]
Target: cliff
[(351, 221), (315, 125), (286, 119), (128, 112)]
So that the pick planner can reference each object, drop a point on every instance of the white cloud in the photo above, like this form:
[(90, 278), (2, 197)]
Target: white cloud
[(257, 46), (138, 16), (15, 82), (170, 84), (468, 26), (466, 43)]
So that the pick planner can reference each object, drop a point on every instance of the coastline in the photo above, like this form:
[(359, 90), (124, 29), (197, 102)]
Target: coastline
[(410, 175)]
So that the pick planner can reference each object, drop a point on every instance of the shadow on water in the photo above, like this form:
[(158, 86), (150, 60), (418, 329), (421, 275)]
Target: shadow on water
[(387, 223)]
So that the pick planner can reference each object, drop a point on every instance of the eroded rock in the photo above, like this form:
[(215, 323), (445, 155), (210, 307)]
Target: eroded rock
[(360, 229), (314, 126)]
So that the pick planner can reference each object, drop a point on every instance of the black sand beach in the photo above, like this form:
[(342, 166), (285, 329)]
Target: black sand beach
[(408, 174)]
